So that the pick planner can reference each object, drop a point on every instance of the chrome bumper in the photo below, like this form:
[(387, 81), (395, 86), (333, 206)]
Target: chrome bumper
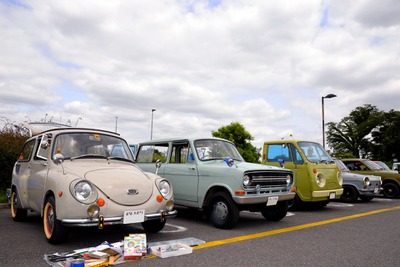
[(262, 198), (116, 220)]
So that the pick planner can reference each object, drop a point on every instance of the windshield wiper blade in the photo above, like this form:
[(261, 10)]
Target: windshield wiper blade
[(120, 158), (88, 156)]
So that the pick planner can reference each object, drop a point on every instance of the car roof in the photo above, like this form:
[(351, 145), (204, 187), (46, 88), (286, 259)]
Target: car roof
[(166, 140)]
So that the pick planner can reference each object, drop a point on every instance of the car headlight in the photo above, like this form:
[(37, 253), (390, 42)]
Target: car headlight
[(246, 180), (164, 187), (288, 179), (340, 178), (367, 182), (83, 191), (320, 179)]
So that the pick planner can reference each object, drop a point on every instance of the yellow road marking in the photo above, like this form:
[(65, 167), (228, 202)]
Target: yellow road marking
[(284, 230), (289, 229)]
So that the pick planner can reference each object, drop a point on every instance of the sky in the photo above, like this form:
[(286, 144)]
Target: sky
[(200, 64)]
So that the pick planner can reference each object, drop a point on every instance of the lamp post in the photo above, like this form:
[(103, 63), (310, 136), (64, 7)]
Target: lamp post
[(323, 119), (116, 123), (152, 115)]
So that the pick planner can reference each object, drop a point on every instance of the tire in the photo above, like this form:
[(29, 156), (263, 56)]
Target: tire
[(224, 213), (275, 213), (296, 203), (153, 226), (17, 214), (350, 194), (54, 231), (365, 198), (391, 190)]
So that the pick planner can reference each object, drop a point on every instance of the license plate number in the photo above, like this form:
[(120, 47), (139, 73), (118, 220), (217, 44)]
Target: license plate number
[(133, 216), (272, 201), (332, 195)]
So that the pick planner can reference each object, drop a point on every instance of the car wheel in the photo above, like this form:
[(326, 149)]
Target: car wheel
[(224, 213), (17, 214), (153, 226), (296, 203), (275, 213), (365, 198), (54, 231), (350, 194), (391, 190)]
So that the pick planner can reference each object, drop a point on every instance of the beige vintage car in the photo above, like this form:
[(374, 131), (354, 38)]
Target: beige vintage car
[(86, 177)]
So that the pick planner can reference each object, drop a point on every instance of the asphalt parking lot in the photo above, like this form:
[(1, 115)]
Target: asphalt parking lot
[(359, 234)]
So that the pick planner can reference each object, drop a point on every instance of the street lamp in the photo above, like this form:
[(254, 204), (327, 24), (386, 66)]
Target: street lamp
[(116, 123), (323, 122), (152, 115)]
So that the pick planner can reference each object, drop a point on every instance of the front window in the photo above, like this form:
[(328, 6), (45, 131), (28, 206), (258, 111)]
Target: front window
[(209, 149), (342, 167), (73, 145), (372, 165), (314, 152)]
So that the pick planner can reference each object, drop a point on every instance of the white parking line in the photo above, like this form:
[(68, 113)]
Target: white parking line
[(178, 229), (337, 204)]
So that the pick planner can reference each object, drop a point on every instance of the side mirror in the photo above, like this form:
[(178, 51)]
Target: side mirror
[(281, 162), (45, 143), (58, 158), (158, 165)]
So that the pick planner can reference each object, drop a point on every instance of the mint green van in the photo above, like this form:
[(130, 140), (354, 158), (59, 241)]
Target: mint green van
[(318, 179)]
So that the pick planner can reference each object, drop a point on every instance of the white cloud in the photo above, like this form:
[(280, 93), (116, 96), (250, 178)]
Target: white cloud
[(201, 64)]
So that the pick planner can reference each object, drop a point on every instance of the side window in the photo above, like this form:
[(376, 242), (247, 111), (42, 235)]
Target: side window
[(27, 151), (278, 151), (180, 153), (43, 147), (151, 153), (296, 155)]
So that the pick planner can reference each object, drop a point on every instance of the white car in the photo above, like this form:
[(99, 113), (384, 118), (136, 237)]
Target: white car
[(86, 177)]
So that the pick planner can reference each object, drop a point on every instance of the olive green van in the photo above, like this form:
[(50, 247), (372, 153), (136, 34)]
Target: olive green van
[(318, 179)]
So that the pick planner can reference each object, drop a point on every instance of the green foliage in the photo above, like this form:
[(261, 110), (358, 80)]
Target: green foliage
[(368, 133), (237, 134), (12, 138), (3, 197)]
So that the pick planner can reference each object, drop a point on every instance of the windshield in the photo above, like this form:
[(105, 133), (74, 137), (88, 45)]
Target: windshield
[(209, 149), (342, 167), (372, 165), (73, 145), (314, 152)]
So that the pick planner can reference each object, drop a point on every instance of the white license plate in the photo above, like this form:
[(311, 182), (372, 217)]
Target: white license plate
[(332, 195), (272, 201), (133, 216), (376, 190)]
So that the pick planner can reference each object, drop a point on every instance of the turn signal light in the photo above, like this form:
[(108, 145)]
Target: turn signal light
[(159, 198), (240, 193), (60, 193), (101, 202)]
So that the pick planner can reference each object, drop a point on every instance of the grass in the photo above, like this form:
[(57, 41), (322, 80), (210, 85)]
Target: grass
[(3, 197)]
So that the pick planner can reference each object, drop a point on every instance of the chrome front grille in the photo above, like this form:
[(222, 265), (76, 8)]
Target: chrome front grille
[(269, 179)]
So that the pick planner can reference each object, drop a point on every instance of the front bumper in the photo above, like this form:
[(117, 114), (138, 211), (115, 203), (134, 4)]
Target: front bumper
[(117, 220), (326, 193), (262, 198), (369, 192)]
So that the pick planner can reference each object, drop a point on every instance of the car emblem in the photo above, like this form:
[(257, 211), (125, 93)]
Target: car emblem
[(132, 192)]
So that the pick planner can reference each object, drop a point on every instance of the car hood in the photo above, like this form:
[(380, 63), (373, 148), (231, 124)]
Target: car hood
[(122, 183), (355, 176)]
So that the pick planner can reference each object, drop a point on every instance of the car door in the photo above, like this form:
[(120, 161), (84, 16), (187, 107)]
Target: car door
[(38, 173), (181, 170)]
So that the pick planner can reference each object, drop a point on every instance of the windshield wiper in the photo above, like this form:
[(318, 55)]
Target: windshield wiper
[(88, 156), (120, 158)]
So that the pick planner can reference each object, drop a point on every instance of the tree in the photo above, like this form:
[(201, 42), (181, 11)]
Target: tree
[(352, 135), (237, 134), (12, 138), (385, 143)]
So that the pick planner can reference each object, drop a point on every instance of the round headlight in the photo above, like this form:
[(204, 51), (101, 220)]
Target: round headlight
[(83, 190), (288, 179), (164, 188), (367, 182), (340, 178), (246, 180), (320, 179)]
